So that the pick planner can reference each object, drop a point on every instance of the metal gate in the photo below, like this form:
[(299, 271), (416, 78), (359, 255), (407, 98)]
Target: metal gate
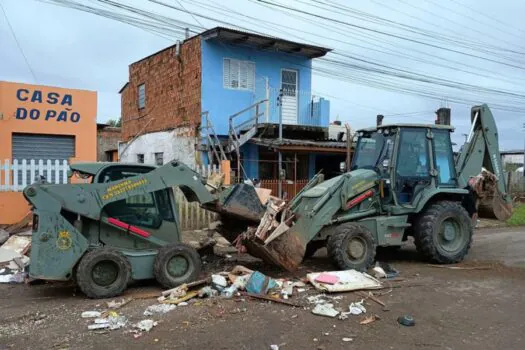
[(39, 146)]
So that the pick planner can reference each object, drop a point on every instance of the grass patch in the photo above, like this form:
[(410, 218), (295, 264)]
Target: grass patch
[(518, 217)]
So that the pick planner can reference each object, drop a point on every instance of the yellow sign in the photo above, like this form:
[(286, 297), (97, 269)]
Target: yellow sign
[(64, 240), (123, 187)]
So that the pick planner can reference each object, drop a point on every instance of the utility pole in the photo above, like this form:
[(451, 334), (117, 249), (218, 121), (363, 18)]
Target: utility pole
[(523, 168), (280, 161)]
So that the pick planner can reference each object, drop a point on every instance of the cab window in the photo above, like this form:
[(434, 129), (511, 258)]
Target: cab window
[(444, 158), (147, 209)]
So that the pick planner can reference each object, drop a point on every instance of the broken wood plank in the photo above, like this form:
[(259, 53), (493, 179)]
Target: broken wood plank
[(486, 267), (371, 297), (188, 296), (188, 285), (267, 298)]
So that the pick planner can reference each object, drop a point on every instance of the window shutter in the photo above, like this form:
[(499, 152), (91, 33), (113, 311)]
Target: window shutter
[(226, 73), (243, 74), (234, 74), (250, 83)]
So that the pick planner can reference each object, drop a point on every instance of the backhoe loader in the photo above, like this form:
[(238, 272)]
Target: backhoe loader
[(404, 181)]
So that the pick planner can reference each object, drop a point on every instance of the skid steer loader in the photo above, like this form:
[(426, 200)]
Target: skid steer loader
[(404, 182), (123, 226)]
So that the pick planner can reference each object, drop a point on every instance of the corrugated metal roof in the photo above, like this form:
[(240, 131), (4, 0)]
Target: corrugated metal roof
[(299, 143), (409, 125), (264, 42)]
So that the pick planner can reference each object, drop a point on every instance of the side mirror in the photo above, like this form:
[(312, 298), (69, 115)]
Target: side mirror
[(386, 163), (342, 166)]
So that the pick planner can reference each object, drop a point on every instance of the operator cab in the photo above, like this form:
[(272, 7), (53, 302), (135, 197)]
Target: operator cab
[(408, 158), (153, 211)]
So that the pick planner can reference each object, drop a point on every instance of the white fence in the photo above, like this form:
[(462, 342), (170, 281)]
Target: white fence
[(191, 215), (15, 176)]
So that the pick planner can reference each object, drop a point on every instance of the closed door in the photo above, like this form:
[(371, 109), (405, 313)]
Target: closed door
[(289, 83)]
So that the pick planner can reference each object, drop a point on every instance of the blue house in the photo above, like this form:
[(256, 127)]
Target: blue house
[(234, 87)]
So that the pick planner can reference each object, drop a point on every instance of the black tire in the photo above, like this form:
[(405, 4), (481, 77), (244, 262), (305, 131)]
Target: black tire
[(340, 248), (443, 233), (312, 247), (188, 261), (103, 273)]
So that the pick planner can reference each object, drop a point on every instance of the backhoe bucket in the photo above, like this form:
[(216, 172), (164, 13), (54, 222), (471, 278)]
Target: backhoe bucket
[(495, 207), (492, 204)]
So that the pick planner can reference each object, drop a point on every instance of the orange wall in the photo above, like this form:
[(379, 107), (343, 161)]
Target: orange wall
[(48, 110)]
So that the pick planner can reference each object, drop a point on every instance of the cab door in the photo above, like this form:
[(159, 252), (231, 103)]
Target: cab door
[(153, 212), (412, 164)]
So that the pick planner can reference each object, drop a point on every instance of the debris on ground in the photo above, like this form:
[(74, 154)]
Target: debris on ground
[(145, 325), (91, 314), (347, 339), (325, 310), (108, 320), (369, 319), (384, 270), (406, 320), (327, 278), (159, 309), (14, 259), (349, 280), (357, 308), (260, 283), (117, 304)]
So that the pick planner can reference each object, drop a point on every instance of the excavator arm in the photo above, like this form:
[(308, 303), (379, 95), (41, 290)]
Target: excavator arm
[(481, 153)]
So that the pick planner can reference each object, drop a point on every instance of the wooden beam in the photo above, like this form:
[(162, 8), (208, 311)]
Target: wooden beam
[(311, 149)]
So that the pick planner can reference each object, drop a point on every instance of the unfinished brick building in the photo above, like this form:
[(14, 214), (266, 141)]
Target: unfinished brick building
[(225, 73)]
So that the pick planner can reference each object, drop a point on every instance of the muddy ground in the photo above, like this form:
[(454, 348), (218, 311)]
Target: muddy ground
[(453, 309)]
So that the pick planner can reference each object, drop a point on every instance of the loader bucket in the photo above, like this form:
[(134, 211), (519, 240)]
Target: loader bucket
[(241, 202)]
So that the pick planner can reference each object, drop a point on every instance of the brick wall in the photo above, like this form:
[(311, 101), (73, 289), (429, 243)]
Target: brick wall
[(173, 91), (107, 140)]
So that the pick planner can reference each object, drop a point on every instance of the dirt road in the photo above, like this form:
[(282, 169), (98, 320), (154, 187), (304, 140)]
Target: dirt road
[(453, 309)]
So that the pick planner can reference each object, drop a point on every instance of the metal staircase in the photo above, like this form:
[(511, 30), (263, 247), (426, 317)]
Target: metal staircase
[(238, 134)]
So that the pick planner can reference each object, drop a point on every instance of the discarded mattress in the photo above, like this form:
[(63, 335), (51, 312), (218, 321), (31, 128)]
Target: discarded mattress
[(347, 281)]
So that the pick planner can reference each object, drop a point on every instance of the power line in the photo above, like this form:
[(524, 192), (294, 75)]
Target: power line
[(18, 44), (381, 32)]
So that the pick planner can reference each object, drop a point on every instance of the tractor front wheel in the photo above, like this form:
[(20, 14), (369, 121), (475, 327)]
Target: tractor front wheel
[(103, 273), (352, 246), (444, 233), (176, 264)]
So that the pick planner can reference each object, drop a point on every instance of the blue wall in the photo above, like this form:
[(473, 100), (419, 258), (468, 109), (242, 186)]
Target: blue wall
[(221, 102), (250, 152)]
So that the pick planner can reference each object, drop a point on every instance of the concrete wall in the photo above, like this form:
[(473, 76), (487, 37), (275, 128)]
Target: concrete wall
[(107, 141), (172, 91), (174, 144), (222, 102), (37, 109), (512, 159)]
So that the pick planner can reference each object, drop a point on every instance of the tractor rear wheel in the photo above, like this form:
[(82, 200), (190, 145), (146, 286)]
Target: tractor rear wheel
[(444, 233), (176, 264), (352, 246), (103, 273)]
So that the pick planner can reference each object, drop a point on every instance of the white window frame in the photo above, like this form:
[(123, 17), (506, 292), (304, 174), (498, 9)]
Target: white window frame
[(226, 78), (155, 158), (143, 86)]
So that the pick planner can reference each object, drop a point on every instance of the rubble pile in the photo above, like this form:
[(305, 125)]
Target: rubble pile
[(15, 247)]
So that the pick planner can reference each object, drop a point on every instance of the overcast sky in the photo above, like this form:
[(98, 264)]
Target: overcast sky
[(74, 49)]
